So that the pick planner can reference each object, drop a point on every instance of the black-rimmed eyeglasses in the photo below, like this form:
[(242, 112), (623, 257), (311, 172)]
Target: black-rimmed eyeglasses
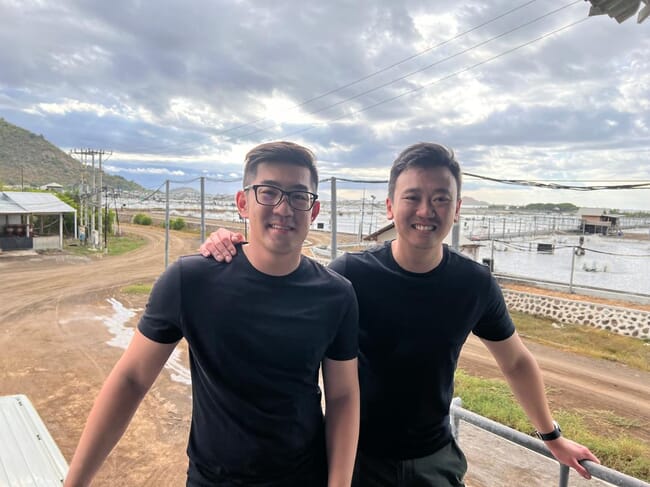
[(269, 195)]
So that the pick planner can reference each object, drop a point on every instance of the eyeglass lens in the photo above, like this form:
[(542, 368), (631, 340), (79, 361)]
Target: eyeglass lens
[(271, 196)]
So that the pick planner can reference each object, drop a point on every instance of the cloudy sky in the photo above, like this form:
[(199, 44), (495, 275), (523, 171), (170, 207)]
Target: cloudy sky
[(531, 90)]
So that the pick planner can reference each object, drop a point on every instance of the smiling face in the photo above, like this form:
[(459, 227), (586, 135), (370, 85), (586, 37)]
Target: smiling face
[(277, 232), (424, 207)]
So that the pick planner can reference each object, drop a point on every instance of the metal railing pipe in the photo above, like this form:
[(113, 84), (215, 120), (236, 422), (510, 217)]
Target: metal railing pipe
[(601, 472)]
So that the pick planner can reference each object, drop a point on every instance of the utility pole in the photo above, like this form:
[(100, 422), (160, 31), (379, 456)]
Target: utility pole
[(363, 202), (372, 210), (95, 199), (333, 216), (99, 203), (202, 208)]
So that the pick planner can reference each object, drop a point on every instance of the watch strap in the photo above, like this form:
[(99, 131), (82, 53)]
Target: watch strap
[(553, 435)]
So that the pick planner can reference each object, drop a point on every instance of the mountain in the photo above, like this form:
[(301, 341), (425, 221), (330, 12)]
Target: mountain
[(469, 202), (30, 160)]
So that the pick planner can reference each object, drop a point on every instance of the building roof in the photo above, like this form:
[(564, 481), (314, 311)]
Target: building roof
[(591, 211), (28, 454), (16, 202)]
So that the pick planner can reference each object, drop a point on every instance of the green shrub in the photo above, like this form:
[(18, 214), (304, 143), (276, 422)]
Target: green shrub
[(177, 224), (142, 219)]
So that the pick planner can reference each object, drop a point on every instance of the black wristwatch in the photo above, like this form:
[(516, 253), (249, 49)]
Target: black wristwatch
[(553, 435)]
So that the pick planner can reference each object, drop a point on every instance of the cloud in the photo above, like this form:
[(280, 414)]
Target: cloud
[(196, 85)]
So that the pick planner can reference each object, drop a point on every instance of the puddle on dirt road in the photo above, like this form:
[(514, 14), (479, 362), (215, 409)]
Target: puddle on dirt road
[(122, 335), (115, 322)]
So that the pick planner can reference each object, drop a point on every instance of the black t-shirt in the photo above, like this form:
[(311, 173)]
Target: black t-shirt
[(411, 330), (256, 343)]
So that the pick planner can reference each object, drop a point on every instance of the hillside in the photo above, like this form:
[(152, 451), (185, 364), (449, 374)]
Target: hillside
[(42, 162)]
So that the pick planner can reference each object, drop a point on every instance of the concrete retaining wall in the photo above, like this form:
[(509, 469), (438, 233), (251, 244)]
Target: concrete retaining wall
[(624, 321), (46, 243)]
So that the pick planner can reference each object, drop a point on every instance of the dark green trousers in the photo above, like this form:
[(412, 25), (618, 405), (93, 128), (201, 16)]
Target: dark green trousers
[(444, 468)]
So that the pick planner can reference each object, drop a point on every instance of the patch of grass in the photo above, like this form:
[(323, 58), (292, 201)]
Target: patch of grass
[(610, 441), (585, 340), (116, 245), (125, 243), (137, 289)]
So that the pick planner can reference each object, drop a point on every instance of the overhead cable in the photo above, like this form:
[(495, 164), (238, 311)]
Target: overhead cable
[(444, 78), (384, 69), (522, 182), (429, 66)]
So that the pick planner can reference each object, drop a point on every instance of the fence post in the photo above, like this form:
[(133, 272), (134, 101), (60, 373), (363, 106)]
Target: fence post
[(333, 215), (573, 264), (455, 420), (202, 209), (166, 223)]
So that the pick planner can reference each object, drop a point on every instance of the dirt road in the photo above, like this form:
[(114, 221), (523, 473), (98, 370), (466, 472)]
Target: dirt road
[(578, 383), (54, 334)]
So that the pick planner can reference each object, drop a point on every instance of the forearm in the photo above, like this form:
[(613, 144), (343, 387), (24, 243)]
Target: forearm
[(109, 417), (527, 384), (342, 435), (525, 378)]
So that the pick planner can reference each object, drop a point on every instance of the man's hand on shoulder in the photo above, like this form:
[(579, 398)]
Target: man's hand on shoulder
[(221, 245)]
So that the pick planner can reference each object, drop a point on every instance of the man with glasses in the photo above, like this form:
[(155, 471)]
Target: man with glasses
[(418, 302), (258, 331)]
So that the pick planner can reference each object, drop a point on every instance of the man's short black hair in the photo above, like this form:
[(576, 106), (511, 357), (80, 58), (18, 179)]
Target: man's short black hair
[(280, 152), (424, 155)]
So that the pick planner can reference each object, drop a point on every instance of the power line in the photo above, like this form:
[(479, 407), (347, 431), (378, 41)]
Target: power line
[(429, 66), (449, 76), (405, 76), (525, 247), (384, 69), (523, 182)]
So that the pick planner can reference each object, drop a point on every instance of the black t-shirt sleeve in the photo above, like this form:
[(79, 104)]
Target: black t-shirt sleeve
[(495, 324), (161, 321), (338, 265), (345, 345)]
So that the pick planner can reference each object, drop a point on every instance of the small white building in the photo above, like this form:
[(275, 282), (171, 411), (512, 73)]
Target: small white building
[(16, 220), (597, 220), (52, 187)]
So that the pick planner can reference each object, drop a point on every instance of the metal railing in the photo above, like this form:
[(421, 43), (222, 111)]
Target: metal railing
[(575, 288), (614, 477)]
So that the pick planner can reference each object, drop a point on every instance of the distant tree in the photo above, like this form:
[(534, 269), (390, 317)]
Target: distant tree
[(552, 207), (175, 223), (142, 219), (68, 219), (178, 224)]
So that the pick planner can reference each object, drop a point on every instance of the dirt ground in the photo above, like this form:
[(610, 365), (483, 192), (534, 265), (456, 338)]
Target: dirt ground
[(55, 329)]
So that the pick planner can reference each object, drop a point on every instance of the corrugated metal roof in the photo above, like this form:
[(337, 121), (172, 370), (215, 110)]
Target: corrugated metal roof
[(8, 206), (36, 203), (28, 454)]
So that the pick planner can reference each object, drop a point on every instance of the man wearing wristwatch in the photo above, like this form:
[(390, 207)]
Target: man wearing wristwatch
[(553, 435), (418, 302)]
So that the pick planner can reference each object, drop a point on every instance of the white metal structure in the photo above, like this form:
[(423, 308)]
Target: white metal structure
[(28, 454), (15, 205)]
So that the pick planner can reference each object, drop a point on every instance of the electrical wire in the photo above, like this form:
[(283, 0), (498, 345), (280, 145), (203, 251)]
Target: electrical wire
[(614, 254), (537, 184), (384, 69), (429, 66), (522, 247), (444, 78), (179, 146)]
